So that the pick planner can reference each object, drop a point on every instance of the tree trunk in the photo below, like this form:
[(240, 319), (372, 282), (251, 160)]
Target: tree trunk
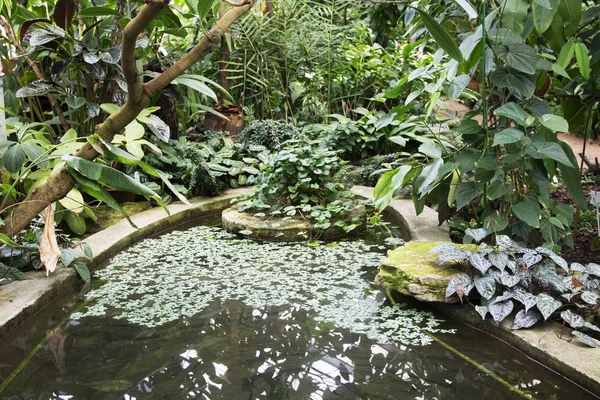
[(58, 185), (225, 57)]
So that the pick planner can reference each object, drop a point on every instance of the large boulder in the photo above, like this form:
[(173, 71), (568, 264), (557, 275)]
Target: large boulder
[(413, 271)]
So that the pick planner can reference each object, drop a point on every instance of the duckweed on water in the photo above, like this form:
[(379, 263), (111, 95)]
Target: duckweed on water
[(181, 273)]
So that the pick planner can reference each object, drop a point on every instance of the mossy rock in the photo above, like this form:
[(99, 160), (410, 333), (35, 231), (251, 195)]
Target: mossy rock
[(287, 230), (413, 271), (106, 216)]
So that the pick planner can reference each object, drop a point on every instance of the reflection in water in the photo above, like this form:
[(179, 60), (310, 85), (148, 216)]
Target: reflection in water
[(233, 351), (196, 320)]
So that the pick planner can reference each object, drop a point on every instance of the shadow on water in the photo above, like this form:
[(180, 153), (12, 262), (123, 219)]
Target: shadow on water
[(230, 350)]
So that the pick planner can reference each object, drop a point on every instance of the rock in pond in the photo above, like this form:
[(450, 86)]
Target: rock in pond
[(413, 271), (278, 229)]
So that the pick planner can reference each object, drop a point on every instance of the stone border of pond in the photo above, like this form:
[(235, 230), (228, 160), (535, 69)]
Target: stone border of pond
[(22, 299)]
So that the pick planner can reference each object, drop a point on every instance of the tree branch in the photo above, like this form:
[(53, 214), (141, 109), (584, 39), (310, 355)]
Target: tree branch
[(206, 44), (59, 184)]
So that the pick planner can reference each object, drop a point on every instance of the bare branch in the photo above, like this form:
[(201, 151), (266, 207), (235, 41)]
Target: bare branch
[(237, 3), (208, 43)]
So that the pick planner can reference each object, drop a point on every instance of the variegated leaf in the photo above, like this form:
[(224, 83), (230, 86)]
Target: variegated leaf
[(593, 269), (454, 255), (442, 248), (591, 327), (578, 267), (477, 234), (530, 259), (558, 260), (547, 305), (509, 280), (462, 281), (505, 242), (585, 339), (526, 319), (526, 298), (479, 262), (486, 286), (500, 310), (574, 320), (590, 297), (512, 265), (482, 310), (498, 260)]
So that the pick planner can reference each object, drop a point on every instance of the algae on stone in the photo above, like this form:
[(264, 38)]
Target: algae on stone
[(413, 271)]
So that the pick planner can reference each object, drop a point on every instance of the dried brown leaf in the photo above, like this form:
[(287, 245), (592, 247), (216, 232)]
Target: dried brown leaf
[(49, 251)]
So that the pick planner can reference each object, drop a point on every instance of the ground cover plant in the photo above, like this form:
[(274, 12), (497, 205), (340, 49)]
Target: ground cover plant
[(507, 277)]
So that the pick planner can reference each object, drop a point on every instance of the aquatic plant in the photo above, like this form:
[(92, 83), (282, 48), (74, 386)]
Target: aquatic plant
[(179, 274)]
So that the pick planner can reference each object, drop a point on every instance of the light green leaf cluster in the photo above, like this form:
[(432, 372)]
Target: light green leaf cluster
[(180, 274)]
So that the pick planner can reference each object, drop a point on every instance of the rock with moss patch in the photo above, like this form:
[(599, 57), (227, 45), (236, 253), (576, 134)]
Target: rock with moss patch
[(286, 229), (413, 271)]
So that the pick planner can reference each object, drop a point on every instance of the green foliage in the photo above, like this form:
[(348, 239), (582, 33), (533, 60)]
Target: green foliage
[(207, 168), (299, 180), (270, 134), (503, 170), (536, 282), (23, 254)]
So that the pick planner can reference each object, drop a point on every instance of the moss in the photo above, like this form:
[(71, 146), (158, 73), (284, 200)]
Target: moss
[(412, 264), (107, 216)]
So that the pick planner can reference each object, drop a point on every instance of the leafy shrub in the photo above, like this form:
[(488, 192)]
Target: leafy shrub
[(269, 133), (207, 168), (507, 272), (299, 180)]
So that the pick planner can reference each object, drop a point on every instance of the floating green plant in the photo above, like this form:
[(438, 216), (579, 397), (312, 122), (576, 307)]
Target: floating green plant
[(179, 274)]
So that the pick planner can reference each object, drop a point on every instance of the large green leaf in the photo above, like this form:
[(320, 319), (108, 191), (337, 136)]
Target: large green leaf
[(513, 111), (516, 81), (99, 11), (543, 16), (583, 60), (440, 35), (98, 192), (519, 56), (468, 7), (389, 183), (570, 11), (466, 192), (110, 177), (198, 86), (554, 152), (566, 54), (508, 136), (528, 210), (554, 122), (13, 158), (514, 14), (572, 179)]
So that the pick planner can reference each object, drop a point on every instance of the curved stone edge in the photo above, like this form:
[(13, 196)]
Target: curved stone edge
[(287, 230), (20, 300), (423, 227)]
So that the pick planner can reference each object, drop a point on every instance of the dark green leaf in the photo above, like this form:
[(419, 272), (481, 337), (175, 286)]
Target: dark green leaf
[(13, 158), (514, 112), (466, 192), (508, 136), (516, 81), (82, 270), (519, 56), (440, 35), (98, 12), (528, 210)]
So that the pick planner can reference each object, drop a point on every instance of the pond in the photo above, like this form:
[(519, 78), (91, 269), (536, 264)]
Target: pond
[(200, 313)]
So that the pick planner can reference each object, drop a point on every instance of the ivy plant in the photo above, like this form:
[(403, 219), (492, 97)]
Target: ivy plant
[(536, 283)]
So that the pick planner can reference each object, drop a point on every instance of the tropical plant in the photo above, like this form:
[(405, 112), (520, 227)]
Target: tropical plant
[(511, 153), (79, 168), (507, 272), (299, 181), (269, 133)]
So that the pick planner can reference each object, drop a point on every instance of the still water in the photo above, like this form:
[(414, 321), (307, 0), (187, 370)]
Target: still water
[(210, 316)]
